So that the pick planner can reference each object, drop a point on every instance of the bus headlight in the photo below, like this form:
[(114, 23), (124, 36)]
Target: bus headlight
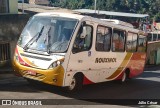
[(20, 60), (55, 64)]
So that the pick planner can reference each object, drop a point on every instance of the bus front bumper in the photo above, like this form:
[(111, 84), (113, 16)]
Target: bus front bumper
[(50, 76)]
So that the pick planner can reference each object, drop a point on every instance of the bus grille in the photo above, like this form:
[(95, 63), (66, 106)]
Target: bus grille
[(36, 77), (4, 52)]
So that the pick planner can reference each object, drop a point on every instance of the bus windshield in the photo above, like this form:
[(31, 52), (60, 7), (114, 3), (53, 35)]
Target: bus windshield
[(47, 33)]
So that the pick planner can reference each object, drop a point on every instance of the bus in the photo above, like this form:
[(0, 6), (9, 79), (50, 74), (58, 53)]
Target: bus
[(71, 50), (153, 48), (153, 37)]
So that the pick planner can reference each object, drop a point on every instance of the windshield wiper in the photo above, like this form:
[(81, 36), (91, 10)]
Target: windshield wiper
[(35, 38)]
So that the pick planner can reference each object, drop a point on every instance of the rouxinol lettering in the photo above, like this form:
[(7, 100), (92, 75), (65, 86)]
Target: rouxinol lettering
[(105, 60)]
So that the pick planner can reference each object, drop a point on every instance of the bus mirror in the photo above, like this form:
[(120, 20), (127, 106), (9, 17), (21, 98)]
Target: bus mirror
[(84, 33), (83, 23), (82, 26)]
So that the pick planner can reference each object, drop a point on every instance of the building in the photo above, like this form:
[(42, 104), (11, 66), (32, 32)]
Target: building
[(9, 6), (40, 2)]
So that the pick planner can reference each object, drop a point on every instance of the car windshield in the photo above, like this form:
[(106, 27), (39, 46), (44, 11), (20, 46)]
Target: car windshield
[(47, 33)]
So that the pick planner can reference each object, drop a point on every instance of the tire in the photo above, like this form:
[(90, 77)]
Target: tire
[(124, 77), (76, 83)]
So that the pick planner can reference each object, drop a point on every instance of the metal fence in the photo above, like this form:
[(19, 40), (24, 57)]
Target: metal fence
[(4, 53), (3, 6)]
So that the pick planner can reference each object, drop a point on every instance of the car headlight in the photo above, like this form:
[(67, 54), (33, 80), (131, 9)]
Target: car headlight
[(55, 64)]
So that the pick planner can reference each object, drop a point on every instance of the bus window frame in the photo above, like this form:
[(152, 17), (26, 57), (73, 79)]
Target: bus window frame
[(124, 50), (156, 36), (110, 45), (149, 34), (136, 42), (92, 27)]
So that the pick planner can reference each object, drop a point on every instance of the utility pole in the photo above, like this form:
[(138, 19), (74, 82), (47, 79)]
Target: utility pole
[(22, 6), (95, 5)]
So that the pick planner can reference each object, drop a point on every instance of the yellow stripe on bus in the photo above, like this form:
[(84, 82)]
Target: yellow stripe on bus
[(121, 67)]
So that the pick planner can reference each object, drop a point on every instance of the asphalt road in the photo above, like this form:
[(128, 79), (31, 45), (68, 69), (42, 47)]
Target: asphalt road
[(146, 86)]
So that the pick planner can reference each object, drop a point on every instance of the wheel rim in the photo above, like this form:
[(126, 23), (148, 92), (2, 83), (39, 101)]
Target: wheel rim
[(72, 84), (124, 77)]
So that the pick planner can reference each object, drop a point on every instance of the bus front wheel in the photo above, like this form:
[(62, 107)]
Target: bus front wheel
[(76, 83)]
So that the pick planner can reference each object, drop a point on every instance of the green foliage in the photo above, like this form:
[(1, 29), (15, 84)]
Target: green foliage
[(151, 7), (157, 17)]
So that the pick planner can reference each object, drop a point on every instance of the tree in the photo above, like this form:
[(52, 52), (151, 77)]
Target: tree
[(151, 7)]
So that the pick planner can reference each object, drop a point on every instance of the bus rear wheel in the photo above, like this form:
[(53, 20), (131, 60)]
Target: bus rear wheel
[(76, 83), (125, 76)]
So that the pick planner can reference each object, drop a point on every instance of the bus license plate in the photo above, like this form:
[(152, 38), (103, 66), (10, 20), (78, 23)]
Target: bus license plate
[(32, 73)]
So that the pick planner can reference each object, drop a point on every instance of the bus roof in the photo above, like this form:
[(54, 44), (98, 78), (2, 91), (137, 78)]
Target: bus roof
[(112, 13), (83, 17), (61, 14), (115, 21), (114, 25), (154, 32)]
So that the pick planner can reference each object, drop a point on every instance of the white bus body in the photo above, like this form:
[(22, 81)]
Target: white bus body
[(97, 51)]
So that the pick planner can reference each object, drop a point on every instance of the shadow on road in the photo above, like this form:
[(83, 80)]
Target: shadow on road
[(152, 67), (133, 89), (151, 75), (11, 83)]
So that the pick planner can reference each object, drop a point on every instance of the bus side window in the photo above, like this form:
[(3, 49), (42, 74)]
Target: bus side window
[(158, 36), (149, 37), (131, 45), (142, 43), (103, 38), (83, 44), (118, 40), (154, 37)]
